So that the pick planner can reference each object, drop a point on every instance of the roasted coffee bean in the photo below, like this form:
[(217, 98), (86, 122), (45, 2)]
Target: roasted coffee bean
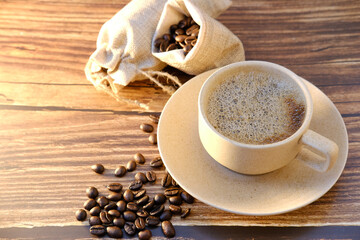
[(114, 232), (128, 195), (110, 206), (98, 168), (164, 45), (187, 197), (114, 213), (182, 44), (95, 211), (179, 31), (142, 201), (180, 38), (166, 215), (191, 29), (172, 46), (139, 194), (167, 180), (153, 136), (155, 118), (193, 43), (168, 229), (132, 206), (94, 220), (92, 192), (89, 204), (149, 205), (188, 40), (114, 197), (102, 201), (142, 213), (159, 198), (139, 223), (158, 42), (172, 191), (120, 171), (131, 166), (140, 177), (119, 222), (173, 28), (176, 200), (182, 23), (130, 228), (139, 158), (105, 218), (147, 127), (114, 187), (157, 210), (145, 234), (187, 48), (97, 230), (156, 162), (195, 32), (166, 37), (80, 215), (185, 213), (175, 209), (151, 176), (136, 185), (152, 221), (129, 216), (121, 206), (188, 21)]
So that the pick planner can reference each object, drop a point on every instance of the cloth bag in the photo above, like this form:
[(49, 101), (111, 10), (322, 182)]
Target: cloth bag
[(216, 45)]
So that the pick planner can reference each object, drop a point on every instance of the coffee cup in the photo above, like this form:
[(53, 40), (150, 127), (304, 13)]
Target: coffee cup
[(254, 118)]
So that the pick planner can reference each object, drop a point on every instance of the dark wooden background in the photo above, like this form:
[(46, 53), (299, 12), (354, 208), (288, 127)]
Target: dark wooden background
[(54, 124)]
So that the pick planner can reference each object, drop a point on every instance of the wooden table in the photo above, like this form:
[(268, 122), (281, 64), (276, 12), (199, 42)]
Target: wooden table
[(55, 125)]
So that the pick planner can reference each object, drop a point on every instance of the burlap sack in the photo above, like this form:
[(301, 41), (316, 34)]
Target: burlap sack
[(216, 45)]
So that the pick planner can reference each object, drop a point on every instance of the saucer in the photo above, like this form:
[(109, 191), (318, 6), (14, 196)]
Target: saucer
[(283, 190)]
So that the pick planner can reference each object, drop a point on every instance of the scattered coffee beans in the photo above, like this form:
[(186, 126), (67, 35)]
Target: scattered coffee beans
[(121, 206), (167, 180), (166, 216), (131, 166), (105, 218), (149, 205), (131, 206), (168, 229), (114, 187), (139, 158), (110, 206), (139, 223), (130, 228), (175, 209), (97, 230), (120, 171), (154, 118), (156, 162), (142, 201), (152, 220), (119, 222), (95, 211), (172, 191), (185, 213), (187, 197), (129, 216), (176, 200), (114, 213), (114, 232), (98, 168), (80, 215), (114, 197), (142, 213), (146, 127), (160, 198), (139, 194), (141, 177), (92, 192), (89, 204), (145, 234), (102, 201), (128, 195), (136, 185), (153, 138), (94, 220), (157, 210), (151, 176)]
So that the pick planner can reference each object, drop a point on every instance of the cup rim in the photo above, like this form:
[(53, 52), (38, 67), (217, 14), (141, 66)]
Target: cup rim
[(277, 67)]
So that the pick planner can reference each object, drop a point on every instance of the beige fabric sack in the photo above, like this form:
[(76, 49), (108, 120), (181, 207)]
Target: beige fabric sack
[(216, 45)]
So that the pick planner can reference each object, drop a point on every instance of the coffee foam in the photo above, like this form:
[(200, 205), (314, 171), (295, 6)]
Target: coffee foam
[(251, 107)]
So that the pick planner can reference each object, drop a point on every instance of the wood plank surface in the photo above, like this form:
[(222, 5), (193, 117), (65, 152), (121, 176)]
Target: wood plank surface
[(55, 125)]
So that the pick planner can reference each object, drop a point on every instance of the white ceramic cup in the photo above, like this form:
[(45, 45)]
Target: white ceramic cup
[(319, 152)]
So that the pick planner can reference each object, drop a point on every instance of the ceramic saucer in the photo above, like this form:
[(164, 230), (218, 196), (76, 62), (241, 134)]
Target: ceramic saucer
[(283, 190)]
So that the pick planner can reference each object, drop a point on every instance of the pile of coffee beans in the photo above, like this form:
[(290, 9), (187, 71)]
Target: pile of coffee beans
[(181, 36), (131, 209)]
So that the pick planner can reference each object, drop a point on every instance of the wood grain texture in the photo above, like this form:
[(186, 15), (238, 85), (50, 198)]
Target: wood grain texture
[(54, 124)]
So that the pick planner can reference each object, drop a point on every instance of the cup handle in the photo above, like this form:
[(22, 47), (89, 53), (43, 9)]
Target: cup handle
[(318, 152)]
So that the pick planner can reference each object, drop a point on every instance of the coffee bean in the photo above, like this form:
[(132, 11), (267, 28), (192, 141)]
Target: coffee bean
[(130, 228), (159, 198), (139, 158), (188, 40), (95, 211), (139, 223), (171, 46), (140, 177), (175, 209), (185, 213), (195, 32), (102, 201), (176, 200), (167, 180), (155, 118), (114, 187), (80, 215), (168, 229), (132, 206), (114, 197), (139, 194), (157, 210), (180, 38), (145, 235), (97, 230), (164, 45), (191, 29), (129, 216), (89, 204), (92, 192), (187, 48), (131, 166), (136, 185), (182, 23), (167, 37), (110, 206), (187, 197), (153, 136), (94, 220), (120, 171), (142, 213), (119, 222), (156, 162), (128, 195), (188, 21), (193, 42), (166, 215), (121, 206), (149, 205), (98, 168), (172, 191), (105, 218), (179, 31), (151, 176), (158, 42), (114, 232), (147, 127), (143, 200), (114, 213), (152, 221)]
